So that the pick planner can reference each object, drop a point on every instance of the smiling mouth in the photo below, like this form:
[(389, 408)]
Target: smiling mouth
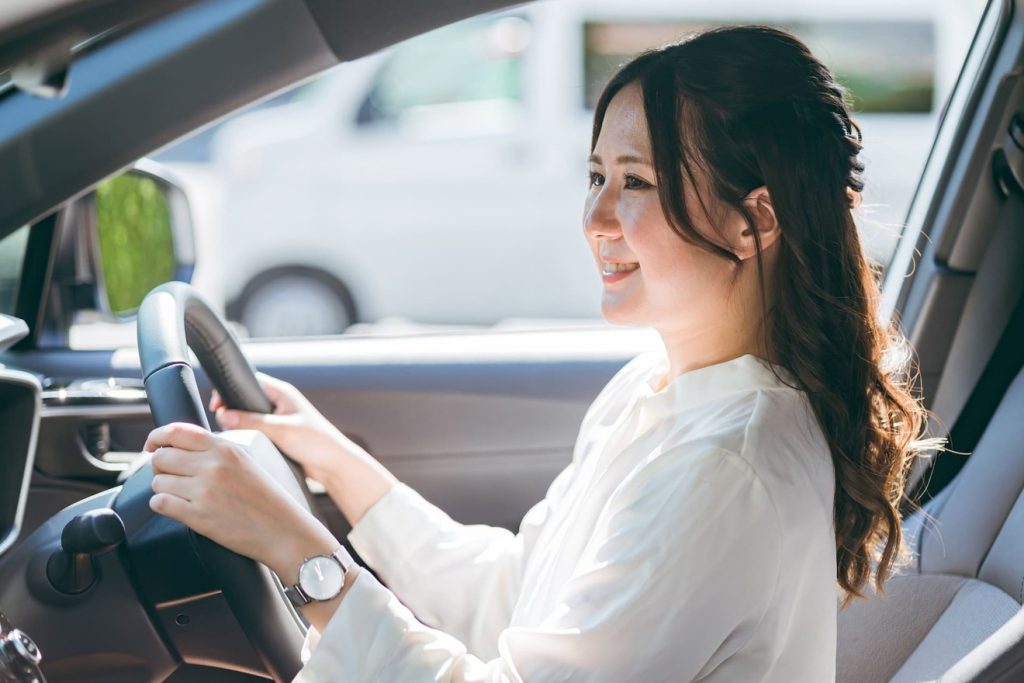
[(611, 268)]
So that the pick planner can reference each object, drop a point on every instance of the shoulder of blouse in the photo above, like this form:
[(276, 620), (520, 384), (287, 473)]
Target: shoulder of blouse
[(772, 432), (710, 483)]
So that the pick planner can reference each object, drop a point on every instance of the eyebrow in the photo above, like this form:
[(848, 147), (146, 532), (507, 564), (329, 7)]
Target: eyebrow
[(624, 159)]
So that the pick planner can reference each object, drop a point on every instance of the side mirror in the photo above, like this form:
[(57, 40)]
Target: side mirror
[(141, 237)]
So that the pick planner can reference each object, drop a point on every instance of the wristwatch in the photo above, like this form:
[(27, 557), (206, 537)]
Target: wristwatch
[(321, 577)]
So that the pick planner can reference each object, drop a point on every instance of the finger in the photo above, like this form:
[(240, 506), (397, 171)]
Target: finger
[(170, 505), (277, 390), (175, 461), (215, 401), (241, 419), (179, 435), (180, 487)]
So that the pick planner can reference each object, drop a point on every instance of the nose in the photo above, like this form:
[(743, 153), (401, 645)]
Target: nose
[(600, 219)]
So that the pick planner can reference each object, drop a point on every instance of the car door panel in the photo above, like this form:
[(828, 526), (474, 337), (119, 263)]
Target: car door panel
[(478, 423)]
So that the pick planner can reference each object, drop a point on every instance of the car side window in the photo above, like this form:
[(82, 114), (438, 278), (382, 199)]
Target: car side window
[(12, 258), (437, 186), (470, 62)]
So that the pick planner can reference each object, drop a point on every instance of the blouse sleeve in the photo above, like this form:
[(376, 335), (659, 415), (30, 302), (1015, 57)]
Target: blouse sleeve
[(461, 578), (681, 568)]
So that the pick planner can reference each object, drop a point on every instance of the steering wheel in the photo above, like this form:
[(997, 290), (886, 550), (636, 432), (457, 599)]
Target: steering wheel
[(173, 318)]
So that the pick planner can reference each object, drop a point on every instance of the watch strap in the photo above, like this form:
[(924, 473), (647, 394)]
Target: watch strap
[(343, 558), (297, 596)]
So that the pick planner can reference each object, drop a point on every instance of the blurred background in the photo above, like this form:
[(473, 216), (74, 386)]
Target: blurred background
[(440, 183)]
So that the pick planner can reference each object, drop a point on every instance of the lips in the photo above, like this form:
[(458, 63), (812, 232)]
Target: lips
[(614, 272), (619, 267)]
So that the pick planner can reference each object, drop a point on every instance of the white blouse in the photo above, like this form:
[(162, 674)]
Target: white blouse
[(690, 538)]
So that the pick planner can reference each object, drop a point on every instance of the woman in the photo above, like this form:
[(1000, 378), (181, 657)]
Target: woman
[(720, 491)]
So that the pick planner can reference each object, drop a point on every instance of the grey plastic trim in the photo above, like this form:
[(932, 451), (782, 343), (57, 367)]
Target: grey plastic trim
[(105, 412), (61, 451), (933, 210), (957, 209), (12, 330), (28, 381)]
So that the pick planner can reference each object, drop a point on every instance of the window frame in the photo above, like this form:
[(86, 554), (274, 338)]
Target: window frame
[(955, 120)]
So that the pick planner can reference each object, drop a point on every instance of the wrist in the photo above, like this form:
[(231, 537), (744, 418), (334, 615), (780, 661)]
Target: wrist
[(329, 477), (339, 460), (336, 450), (288, 554)]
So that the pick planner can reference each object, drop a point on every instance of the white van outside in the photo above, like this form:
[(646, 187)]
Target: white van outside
[(442, 181)]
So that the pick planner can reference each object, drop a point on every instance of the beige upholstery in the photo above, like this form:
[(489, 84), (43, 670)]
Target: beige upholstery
[(976, 612), (877, 636), (958, 606)]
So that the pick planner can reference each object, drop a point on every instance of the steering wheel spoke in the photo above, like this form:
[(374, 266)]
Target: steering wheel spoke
[(172, 319)]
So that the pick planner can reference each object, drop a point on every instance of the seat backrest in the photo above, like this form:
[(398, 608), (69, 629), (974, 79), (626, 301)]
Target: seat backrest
[(979, 525), (959, 605)]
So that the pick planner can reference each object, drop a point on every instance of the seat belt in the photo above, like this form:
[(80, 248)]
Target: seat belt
[(1003, 366)]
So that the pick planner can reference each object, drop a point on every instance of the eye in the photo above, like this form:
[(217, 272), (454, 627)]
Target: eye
[(596, 179), (634, 183)]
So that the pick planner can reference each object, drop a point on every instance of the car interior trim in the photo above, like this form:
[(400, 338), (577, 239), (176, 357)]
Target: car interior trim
[(19, 421)]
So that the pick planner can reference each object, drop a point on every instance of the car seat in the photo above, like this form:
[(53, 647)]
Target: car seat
[(955, 613)]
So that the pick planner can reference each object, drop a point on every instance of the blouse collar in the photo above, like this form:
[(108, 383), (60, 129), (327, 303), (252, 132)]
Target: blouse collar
[(702, 385)]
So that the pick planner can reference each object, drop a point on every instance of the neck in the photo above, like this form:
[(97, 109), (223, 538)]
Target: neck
[(734, 333), (688, 352), (735, 330)]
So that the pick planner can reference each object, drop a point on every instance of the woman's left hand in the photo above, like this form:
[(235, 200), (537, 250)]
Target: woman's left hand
[(212, 485)]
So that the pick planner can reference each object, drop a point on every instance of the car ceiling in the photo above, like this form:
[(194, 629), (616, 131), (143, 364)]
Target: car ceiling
[(172, 70)]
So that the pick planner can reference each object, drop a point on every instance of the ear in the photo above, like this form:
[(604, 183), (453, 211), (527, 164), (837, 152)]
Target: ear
[(759, 204)]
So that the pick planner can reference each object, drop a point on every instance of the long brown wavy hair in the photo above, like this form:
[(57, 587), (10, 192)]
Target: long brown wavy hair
[(750, 106)]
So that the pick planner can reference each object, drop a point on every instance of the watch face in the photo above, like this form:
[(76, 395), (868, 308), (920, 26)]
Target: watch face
[(321, 577)]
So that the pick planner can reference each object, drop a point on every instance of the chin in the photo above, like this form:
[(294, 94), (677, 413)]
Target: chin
[(617, 314)]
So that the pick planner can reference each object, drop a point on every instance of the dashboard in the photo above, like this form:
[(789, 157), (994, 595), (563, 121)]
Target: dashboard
[(65, 568)]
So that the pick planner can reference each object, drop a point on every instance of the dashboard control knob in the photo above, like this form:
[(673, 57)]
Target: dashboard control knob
[(96, 531), (24, 646), (19, 658), (72, 569)]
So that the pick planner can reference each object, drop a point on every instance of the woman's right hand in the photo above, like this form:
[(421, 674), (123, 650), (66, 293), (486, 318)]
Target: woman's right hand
[(296, 427)]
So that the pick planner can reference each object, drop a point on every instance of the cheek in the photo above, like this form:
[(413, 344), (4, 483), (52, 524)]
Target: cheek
[(659, 248), (644, 227), (679, 268), (588, 230)]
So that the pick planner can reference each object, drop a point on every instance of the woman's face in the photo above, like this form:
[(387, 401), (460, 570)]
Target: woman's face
[(674, 286)]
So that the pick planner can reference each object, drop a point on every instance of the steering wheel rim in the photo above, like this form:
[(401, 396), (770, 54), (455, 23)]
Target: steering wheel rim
[(173, 318)]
